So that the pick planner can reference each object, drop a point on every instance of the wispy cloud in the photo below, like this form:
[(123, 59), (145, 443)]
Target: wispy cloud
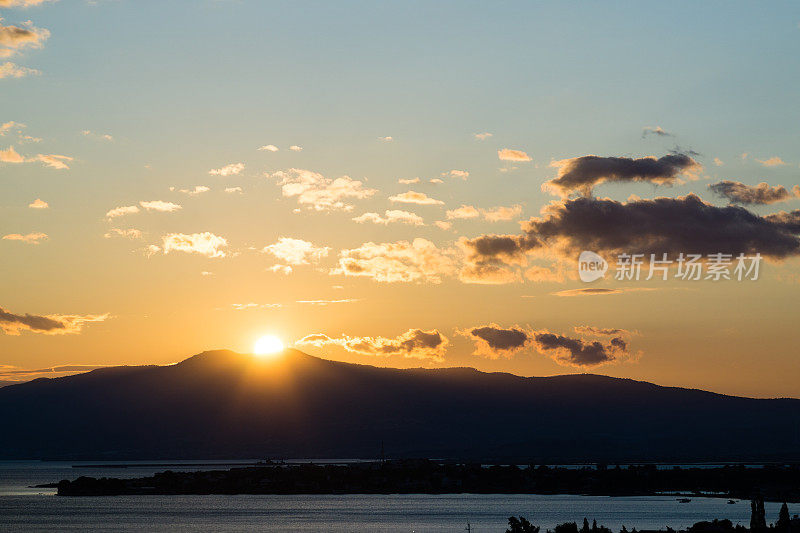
[(391, 216), (231, 169), (413, 197), (415, 343), (772, 162), (315, 191), (205, 243), (15, 324), (12, 70), (402, 261), (14, 39), (482, 136), (30, 238)]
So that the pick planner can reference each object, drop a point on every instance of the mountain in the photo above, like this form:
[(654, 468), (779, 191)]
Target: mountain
[(221, 404)]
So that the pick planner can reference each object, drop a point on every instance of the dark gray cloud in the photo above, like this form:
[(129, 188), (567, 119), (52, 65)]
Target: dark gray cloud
[(579, 352), (761, 194), (581, 174), (661, 225), (501, 339), (13, 324)]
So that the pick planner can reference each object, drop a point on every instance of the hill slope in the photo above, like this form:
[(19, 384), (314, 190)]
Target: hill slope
[(224, 404)]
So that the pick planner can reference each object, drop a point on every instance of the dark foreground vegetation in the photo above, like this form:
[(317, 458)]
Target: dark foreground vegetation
[(758, 524), (774, 482)]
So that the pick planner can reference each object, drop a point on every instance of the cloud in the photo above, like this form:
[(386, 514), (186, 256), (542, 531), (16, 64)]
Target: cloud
[(482, 136), (408, 181), (739, 193), (328, 302), (22, 3), (14, 324), (413, 197), (231, 169), (205, 243), (103, 136), (494, 341), (655, 130), (130, 233), (582, 174), (120, 211), (160, 206), (280, 269), (414, 343), (12, 70), (295, 148), (296, 251), (495, 214), (53, 160), (391, 215), (772, 162), (268, 148), (11, 156), (38, 204), (661, 225), (718, 161), (30, 238), (402, 261), (589, 291), (13, 39), (789, 222), (385, 139), (483, 273), (19, 375), (507, 154), (463, 174), (318, 192), (198, 189), (441, 224), (252, 305), (436, 181), (11, 125), (231, 190)]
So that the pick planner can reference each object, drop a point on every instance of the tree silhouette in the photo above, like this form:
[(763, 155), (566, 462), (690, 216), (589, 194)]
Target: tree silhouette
[(784, 522), (520, 525), (758, 521)]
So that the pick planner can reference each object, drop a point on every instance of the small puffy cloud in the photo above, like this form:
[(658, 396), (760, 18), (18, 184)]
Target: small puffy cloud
[(12, 70), (38, 204), (655, 130), (198, 189), (739, 193), (14, 324), (295, 148), (232, 190), (506, 154), (413, 197), (442, 224), (492, 341), (495, 214), (391, 216), (130, 233), (385, 139), (465, 211), (268, 148), (14, 39), (29, 238), (280, 269), (11, 156), (296, 251), (231, 169), (9, 126), (482, 136), (582, 174), (414, 343), (772, 162), (318, 192), (436, 180), (160, 206), (121, 211), (718, 162), (463, 174), (402, 261), (408, 181), (205, 243)]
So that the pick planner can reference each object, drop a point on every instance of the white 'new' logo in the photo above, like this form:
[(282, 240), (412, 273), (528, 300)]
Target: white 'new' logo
[(591, 266)]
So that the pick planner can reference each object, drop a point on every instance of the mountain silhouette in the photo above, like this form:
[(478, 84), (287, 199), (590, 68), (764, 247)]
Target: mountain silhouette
[(221, 404)]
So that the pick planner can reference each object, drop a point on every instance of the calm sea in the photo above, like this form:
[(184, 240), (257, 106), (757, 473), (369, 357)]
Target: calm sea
[(26, 509)]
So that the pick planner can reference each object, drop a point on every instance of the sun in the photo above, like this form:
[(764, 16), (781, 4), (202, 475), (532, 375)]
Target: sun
[(268, 345)]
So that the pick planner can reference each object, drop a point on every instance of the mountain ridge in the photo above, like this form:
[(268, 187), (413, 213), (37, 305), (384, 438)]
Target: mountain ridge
[(221, 403)]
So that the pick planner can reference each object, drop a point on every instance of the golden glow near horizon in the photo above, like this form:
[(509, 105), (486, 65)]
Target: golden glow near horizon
[(268, 345)]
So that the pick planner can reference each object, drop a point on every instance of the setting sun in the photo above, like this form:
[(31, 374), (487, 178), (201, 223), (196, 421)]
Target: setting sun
[(268, 344)]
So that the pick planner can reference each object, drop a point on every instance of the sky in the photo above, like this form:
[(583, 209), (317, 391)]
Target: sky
[(401, 184)]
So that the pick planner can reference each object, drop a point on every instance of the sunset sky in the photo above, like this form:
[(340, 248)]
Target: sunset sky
[(400, 184)]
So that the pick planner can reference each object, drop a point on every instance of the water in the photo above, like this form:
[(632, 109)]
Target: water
[(26, 509)]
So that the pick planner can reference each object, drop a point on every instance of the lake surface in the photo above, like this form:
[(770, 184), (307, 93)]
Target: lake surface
[(26, 509)]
